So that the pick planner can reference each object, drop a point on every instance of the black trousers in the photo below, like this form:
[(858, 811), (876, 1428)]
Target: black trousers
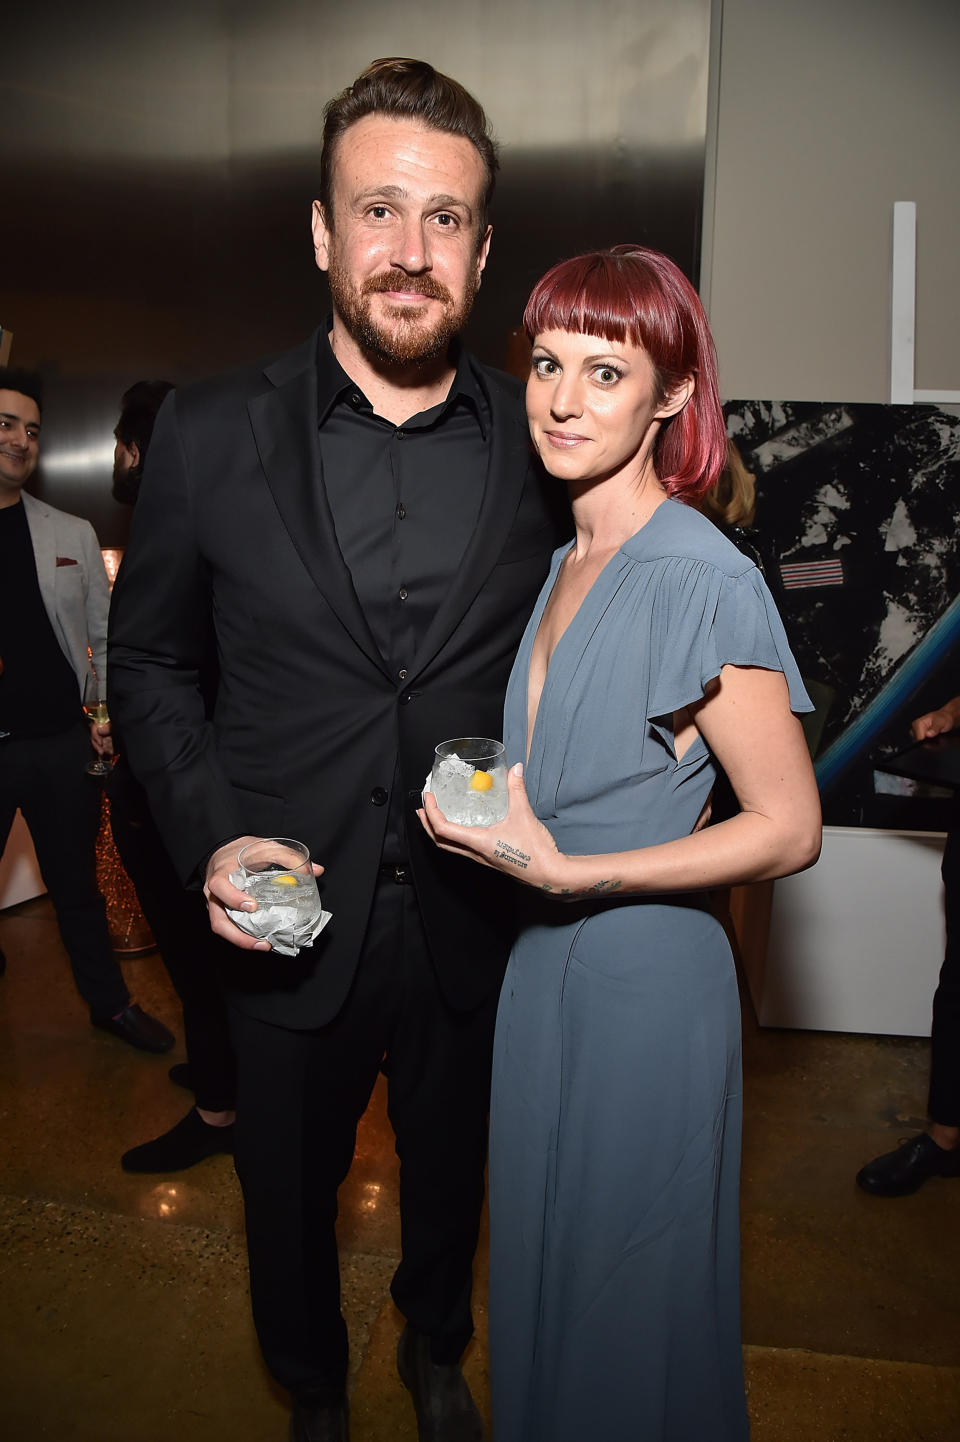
[(178, 920), (944, 1100), (300, 1097), (45, 777)]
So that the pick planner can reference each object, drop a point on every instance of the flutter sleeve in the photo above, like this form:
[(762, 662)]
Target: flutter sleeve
[(708, 619)]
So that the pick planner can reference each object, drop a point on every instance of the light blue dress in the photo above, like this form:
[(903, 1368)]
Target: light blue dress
[(615, 1126)]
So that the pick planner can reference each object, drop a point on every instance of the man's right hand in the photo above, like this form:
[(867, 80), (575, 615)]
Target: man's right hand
[(937, 723), (221, 893)]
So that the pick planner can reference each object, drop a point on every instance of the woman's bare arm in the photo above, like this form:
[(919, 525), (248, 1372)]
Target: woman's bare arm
[(746, 721)]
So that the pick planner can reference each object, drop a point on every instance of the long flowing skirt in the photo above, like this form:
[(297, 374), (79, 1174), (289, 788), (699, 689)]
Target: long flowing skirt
[(614, 1178)]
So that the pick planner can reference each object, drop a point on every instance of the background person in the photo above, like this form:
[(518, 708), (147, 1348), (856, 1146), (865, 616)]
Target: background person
[(935, 1152), (53, 614), (365, 529), (176, 916), (654, 649)]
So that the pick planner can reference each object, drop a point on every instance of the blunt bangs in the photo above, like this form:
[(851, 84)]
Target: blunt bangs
[(584, 296), (635, 295)]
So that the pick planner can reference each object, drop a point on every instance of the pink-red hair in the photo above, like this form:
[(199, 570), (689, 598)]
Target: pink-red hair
[(630, 293)]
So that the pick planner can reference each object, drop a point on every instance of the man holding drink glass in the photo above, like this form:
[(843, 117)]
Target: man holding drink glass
[(364, 529)]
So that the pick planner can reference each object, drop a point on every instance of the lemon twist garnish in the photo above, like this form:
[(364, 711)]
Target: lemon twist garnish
[(481, 781), (283, 880)]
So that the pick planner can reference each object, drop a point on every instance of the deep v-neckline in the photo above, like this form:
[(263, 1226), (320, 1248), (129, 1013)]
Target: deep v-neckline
[(530, 728)]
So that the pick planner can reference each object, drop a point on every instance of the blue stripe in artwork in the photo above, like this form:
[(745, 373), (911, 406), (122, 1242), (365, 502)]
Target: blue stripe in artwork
[(860, 735)]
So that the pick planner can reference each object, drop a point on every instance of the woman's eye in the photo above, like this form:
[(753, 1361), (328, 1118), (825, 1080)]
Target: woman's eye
[(544, 367), (608, 375)]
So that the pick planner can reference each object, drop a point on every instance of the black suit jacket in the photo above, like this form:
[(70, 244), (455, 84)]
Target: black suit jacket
[(233, 531)]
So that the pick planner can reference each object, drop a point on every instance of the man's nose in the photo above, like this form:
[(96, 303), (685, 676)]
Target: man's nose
[(411, 252)]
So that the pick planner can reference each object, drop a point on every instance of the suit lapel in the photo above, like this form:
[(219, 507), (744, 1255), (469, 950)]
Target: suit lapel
[(284, 422), (506, 473), (44, 540)]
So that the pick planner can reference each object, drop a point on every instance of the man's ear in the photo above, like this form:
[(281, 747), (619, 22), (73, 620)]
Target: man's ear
[(321, 236), (677, 399), (134, 450), (483, 251)]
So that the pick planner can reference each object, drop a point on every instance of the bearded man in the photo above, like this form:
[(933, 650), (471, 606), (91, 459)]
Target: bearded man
[(363, 528)]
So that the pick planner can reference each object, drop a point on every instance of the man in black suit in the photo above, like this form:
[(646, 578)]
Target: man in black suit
[(935, 1152), (363, 526)]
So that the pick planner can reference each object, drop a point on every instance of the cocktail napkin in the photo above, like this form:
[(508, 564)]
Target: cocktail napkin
[(285, 927)]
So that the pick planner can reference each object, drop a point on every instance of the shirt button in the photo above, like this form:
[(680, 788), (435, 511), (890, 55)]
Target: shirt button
[(354, 399), (400, 435), (378, 796), (402, 674), (403, 593), (401, 511), (405, 699)]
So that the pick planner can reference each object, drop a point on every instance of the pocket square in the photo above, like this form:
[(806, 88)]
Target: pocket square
[(66, 561)]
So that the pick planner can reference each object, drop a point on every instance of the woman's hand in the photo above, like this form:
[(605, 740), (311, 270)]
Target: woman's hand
[(519, 845)]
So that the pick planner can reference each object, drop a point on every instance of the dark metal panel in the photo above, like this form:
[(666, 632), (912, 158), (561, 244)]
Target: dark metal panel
[(158, 168)]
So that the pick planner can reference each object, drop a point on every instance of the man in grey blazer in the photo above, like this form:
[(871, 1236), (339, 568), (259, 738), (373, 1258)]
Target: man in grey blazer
[(54, 597)]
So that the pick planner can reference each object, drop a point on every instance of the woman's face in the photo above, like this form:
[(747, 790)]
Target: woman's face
[(592, 406)]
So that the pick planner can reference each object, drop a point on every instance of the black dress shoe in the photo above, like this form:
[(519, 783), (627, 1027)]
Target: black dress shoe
[(179, 1074), (325, 1422), (898, 1173), (441, 1398), (189, 1142), (138, 1028)]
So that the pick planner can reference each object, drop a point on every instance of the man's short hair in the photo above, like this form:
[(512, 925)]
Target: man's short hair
[(408, 90), (138, 411), (27, 383)]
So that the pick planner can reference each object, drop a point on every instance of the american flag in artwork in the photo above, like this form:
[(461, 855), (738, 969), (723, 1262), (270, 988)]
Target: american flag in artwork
[(796, 575)]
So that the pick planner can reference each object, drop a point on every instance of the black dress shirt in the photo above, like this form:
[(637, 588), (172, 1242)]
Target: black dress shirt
[(405, 501), (38, 688)]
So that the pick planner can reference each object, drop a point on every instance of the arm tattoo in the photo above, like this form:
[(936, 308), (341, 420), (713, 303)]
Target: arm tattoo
[(585, 893), (503, 852)]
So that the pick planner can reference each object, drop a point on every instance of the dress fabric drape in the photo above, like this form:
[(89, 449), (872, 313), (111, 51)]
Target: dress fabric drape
[(615, 1125)]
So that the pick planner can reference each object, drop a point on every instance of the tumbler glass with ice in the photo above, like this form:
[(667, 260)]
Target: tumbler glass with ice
[(469, 780), (277, 872)]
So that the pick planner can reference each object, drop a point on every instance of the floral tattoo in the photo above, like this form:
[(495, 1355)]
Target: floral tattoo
[(584, 893)]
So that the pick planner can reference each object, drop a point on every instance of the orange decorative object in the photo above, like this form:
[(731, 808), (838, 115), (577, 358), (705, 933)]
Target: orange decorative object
[(129, 932)]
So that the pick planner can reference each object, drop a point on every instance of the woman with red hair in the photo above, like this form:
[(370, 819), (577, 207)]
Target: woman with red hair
[(654, 655)]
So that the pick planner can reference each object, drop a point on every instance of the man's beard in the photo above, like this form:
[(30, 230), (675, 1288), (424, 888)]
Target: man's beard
[(402, 338), (126, 485)]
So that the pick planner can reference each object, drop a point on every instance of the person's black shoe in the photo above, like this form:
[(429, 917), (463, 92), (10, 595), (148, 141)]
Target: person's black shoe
[(445, 1410), (138, 1028), (898, 1173), (326, 1422), (189, 1142), (179, 1074)]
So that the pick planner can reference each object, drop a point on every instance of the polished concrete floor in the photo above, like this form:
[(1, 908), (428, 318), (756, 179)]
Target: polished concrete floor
[(124, 1312)]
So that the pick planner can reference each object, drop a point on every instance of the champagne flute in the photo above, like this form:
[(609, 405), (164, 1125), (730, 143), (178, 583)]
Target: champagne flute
[(95, 706)]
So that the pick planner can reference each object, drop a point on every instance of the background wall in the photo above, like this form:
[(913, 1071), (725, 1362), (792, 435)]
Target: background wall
[(159, 164), (826, 112)]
